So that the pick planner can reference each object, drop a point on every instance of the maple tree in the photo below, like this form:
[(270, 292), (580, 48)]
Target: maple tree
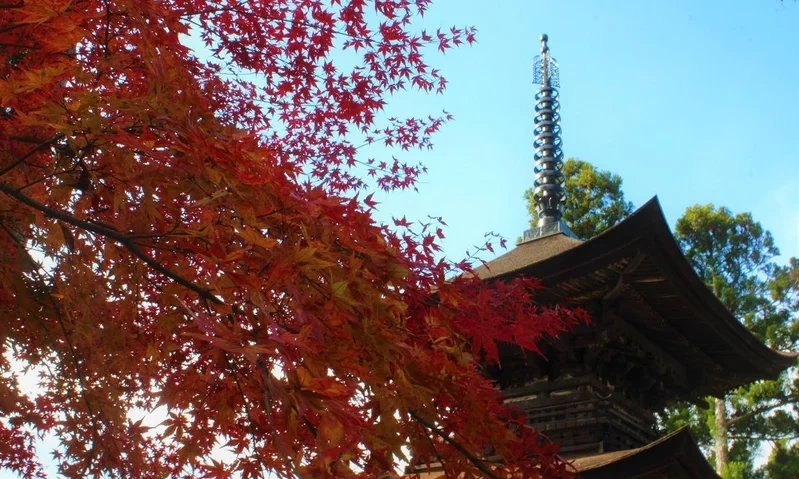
[(193, 234)]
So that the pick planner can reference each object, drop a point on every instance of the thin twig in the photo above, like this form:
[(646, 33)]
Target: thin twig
[(477, 462), (266, 379), (761, 409), (27, 155), (122, 238), (73, 352), (253, 435), (438, 456)]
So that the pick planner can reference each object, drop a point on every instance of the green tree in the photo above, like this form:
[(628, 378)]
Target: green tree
[(594, 200), (735, 256), (783, 462)]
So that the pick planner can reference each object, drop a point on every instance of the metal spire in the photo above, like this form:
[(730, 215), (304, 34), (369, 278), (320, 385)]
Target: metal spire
[(549, 193)]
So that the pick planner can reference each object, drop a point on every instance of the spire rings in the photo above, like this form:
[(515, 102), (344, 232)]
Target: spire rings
[(549, 193)]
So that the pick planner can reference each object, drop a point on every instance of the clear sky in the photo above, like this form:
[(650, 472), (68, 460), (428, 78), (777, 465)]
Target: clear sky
[(693, 101)]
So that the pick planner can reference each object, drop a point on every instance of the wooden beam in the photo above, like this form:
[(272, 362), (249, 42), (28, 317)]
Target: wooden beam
[(669, 328), (659, 354), (649, 279), (622, 283)]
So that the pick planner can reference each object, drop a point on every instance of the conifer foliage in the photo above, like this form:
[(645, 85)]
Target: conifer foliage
[(192, 235)]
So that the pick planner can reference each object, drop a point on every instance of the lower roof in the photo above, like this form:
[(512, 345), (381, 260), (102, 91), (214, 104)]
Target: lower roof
[(675, 455)]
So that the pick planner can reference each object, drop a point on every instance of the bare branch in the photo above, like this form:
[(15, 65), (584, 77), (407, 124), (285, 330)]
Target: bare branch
[(266, 379), (438, 456), (477, 462), (234, 371), (27, 155), (122, 238), (761, 409)]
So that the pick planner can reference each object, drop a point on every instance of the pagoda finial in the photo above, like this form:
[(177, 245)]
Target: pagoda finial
[(548, 193), (545, 71)]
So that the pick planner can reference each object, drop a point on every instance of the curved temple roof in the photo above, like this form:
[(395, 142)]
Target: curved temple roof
[(675, 455), (640, 262)]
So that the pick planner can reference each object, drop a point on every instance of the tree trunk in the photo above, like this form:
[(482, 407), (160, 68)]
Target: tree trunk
[(720, 437), (721, 445)]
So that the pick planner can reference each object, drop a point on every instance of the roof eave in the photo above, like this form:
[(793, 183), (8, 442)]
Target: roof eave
[(649, 223)]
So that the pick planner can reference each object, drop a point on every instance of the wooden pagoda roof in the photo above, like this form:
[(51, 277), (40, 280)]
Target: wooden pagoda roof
[(675, 455), (665, 305)]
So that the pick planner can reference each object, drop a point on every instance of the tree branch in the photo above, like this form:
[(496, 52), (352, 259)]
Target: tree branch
[(253, 434), (267, 385), (73, 354), (763, 437), (118, 236), (759, 410), (435, 451), (208, 11), (27, 155), (477, 462)]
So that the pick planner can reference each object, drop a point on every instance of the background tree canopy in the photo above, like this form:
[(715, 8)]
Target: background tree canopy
[(594, 199), (736, 258)]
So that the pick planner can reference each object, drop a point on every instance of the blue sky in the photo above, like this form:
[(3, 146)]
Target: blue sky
[(696, 102)]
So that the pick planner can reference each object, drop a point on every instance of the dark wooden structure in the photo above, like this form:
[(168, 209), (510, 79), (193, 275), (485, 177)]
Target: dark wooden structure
[(674, 456), (658, 336)]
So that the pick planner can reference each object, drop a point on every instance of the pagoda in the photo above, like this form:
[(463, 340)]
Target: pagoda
[(658, 335)]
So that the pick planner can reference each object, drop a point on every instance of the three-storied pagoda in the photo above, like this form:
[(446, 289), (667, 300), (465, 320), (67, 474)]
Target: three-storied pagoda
[(658, 334)]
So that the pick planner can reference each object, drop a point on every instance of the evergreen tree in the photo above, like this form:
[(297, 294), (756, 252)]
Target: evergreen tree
[(595, 200), (735, 256)]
